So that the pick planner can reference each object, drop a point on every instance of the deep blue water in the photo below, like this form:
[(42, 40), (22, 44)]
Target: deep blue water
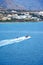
[(28, 52)]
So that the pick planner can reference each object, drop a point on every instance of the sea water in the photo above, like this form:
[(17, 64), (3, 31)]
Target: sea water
[(27, 52)]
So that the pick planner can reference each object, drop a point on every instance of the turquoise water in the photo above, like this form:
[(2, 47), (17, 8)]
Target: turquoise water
[(27, 52)]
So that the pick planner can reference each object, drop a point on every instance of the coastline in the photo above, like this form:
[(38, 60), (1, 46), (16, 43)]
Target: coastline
[(19, 22), (20, 16)]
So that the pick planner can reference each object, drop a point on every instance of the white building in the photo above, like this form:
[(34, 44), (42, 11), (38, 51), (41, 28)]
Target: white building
[(41, 13), (9, 15), (21, 17), (14, 16), (4, 18), (35, 18)]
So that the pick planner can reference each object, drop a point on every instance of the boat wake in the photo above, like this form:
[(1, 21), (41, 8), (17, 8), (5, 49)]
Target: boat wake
[(11, 41)]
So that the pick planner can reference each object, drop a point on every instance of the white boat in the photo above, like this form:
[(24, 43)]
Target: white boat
[(11, 41)]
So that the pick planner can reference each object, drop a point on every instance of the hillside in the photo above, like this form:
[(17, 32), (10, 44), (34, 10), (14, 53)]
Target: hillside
[(22, 4)]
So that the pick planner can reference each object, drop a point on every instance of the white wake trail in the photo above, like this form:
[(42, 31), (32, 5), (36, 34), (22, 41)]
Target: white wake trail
[(10, 41)]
